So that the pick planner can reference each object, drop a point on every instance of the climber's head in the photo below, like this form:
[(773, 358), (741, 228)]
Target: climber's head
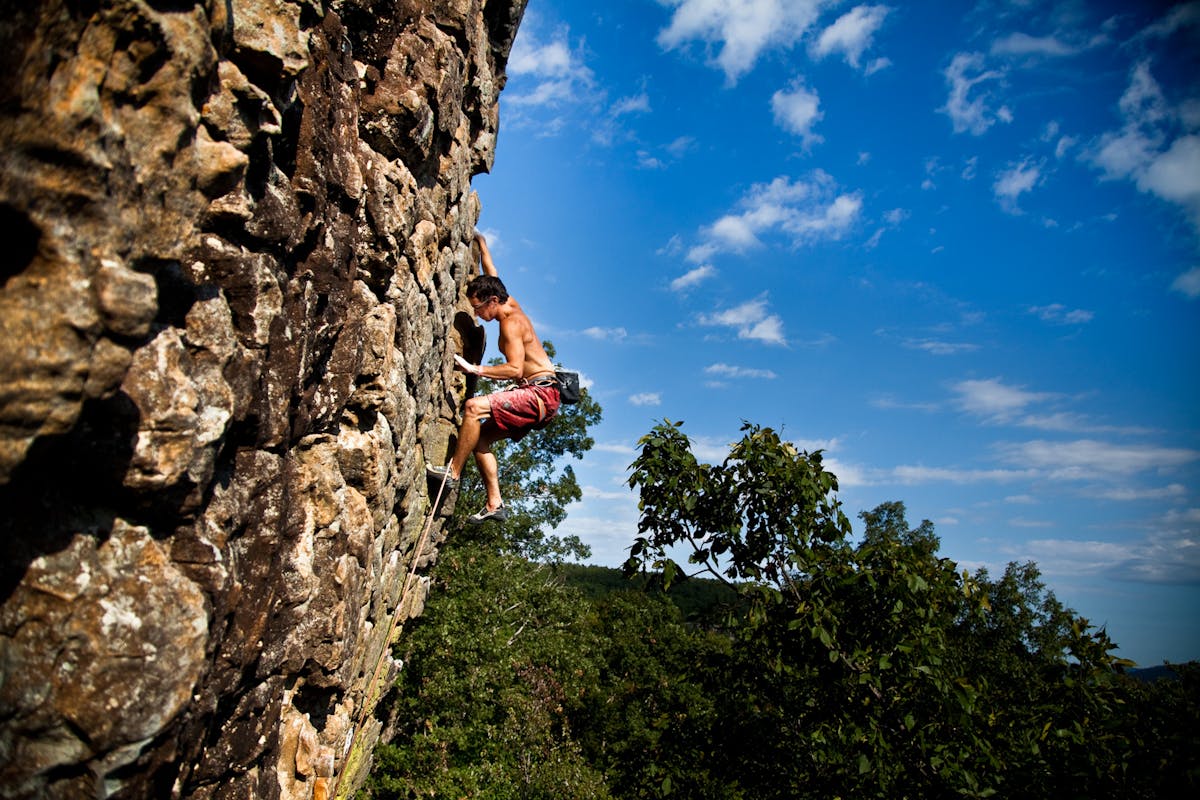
[(483, 288)]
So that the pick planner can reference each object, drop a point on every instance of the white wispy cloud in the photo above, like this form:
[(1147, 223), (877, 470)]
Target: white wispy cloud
[(693, 277), (1135, 493), (1064, 146), (1122, 154), (939, 347), (1082, 460), (1157, 147), (1059, 557), (617, 448), (645, 160), (860, 475), (850, 476), (495, 240), (611, 127), (818, 341), (801, 210), (673, 247), (733, 372), (1022, 44), (892, 220), (1014, 181), (596, 493), (681, 146), (997, 403), (1188, 283), (889, 402), (1069, 422), (557, 73), (1174, 175), (1024, 522), (1167, 553), (752, 320), (606, 520), (933, 166), (1182, 16), (1165, 557), (549, 59), (636, 104), (739, 31), (1091, 459), (970, 168), (606, 334), (796, 110), (1052, 134), (1189, 517), (970, 105), (661, 157), (993, 400), (918, 474), (646, 399), (1058, 314), (852, 34)]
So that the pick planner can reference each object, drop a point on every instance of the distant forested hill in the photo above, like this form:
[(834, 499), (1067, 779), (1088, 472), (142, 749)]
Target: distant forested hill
[(700, 600)]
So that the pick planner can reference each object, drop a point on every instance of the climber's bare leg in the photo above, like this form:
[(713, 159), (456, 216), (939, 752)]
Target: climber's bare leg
[(478, 411), (488, 470)]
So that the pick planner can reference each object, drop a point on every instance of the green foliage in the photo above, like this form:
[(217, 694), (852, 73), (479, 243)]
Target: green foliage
[(653, 726), (536, 484), (877, 670), (492, 674), (700, 600), (808, 665), (1158, 729), (762, 518)]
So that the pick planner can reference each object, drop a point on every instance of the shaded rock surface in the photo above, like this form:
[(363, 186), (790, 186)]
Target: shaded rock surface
[(236, 236)]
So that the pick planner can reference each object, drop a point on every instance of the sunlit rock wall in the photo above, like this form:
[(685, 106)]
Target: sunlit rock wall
[(235, 234)]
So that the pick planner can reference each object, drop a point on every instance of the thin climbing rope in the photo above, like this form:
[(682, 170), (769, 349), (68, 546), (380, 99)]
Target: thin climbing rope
[(387, 640)]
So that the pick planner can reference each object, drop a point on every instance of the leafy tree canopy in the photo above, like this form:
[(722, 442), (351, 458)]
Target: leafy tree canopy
[(835, 668), (895, 674)]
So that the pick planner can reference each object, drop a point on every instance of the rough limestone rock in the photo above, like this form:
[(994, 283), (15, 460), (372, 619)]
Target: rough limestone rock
[(235, 237)]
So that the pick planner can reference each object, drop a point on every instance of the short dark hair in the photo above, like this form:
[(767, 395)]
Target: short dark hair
[(487, 286)]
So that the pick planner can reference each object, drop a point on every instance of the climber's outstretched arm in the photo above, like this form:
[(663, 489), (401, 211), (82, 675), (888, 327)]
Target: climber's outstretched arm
[(485, 256)]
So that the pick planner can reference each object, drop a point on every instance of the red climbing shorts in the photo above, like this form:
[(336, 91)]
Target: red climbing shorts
[(518, 411)]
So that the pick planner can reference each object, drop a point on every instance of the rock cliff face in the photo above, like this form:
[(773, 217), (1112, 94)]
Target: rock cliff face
[(235, 236)]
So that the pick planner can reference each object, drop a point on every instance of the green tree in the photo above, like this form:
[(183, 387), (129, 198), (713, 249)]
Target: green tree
[(494, 671), (1161, 731), (863, 671), (763, 517), (501, 658), (654, 724), (839, 669), (887, 523), (536, 482), (1059, 704)]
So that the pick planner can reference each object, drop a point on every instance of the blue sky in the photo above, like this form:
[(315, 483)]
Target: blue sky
[(958, 252)]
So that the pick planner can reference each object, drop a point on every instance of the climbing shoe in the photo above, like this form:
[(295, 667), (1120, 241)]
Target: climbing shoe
[(499, 514), (441, 474)]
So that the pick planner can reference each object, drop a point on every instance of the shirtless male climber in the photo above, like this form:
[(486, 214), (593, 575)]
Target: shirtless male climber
[(508, 414)]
